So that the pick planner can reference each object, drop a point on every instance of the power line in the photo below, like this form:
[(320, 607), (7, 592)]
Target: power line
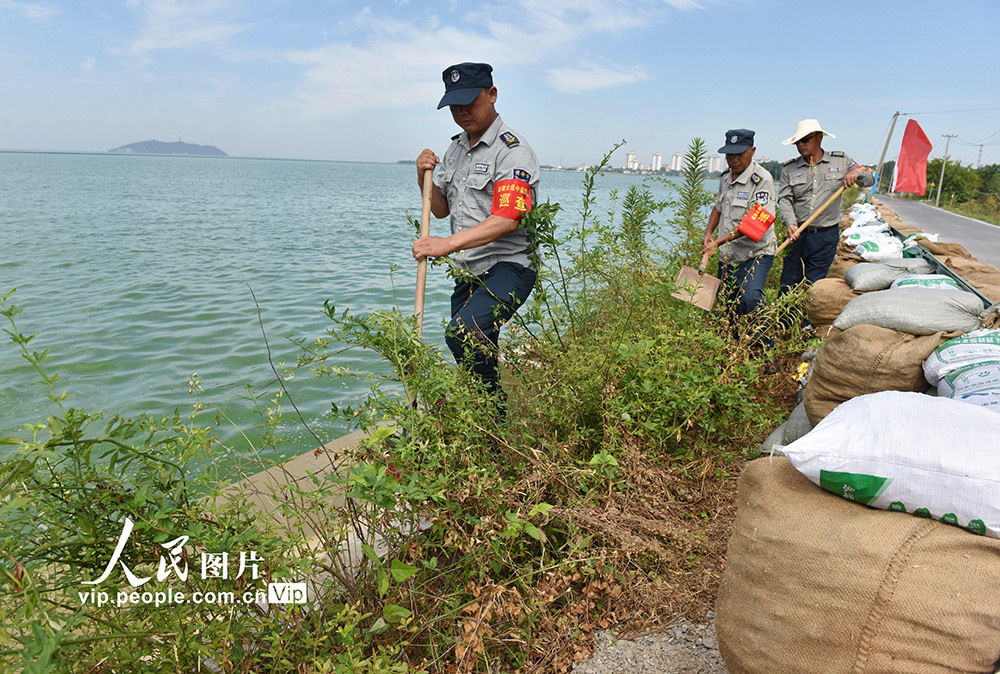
[(941, 112)]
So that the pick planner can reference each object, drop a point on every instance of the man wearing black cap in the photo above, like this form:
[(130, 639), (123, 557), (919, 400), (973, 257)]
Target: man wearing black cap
[(746, 190), (488, 179)]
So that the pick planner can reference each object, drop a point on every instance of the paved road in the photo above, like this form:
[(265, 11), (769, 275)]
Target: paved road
[(979, 238)]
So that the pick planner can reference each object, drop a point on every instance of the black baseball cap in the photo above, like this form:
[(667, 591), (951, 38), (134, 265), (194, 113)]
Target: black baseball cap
[(737, 140), (464, 81)]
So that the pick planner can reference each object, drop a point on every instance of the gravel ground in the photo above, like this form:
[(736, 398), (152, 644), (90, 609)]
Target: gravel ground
[(687, 647)]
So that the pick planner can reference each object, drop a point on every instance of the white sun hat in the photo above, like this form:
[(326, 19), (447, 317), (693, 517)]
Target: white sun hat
[(804, 128)]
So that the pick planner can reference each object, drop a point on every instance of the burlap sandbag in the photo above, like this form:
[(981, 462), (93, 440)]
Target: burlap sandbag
[(867, 359), (940, 248), (985, 277), (844, 259), (826, 299), (815, 583)]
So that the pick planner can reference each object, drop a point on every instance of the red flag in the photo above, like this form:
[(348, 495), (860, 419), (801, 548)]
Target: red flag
[(911, 167)]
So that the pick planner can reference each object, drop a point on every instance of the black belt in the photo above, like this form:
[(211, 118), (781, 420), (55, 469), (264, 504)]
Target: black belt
[(818, 229)]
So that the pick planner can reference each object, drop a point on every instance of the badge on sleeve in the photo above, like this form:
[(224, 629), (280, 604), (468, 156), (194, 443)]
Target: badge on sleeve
[(509, 139), (763, 197), (511, 198), (521, 174)]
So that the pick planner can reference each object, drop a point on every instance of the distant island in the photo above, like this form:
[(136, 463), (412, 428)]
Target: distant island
[(177, 148)]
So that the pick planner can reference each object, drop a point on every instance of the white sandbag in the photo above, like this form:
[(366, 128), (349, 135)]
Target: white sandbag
[(930, 236), (980, 377), (908, 452), (916, 311), (988, 401), (931, 281), (970, 348), (863, 218), (878, 249), (868, 276), (869, 230)]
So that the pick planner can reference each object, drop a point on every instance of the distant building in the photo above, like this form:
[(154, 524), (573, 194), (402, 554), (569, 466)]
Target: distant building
[(677, 162), (713, 164), (631, 162), (657, 162)]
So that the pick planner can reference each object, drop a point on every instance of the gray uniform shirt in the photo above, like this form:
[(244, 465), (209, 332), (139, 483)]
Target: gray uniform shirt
[(466, 177), (736, 196), (805, 188)]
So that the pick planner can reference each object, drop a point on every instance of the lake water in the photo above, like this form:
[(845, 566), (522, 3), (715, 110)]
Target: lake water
[(133, 269)]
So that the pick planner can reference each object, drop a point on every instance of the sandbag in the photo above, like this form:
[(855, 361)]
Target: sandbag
[(826, 299), (984, 277), (980, 377), (917, 311), (869, 276), (866, 359), (989, 401), (939, 248), (877, 248), (842, 261), (964, 350), (794, 428), (929, 281), (814, 583), (911, 453)]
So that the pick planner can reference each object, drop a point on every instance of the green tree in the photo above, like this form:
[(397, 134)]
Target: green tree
[(774, 168), (961, 183)]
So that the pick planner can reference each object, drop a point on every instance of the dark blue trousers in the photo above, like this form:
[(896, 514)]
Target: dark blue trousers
[(810, 256), (743, 290), (479, 306)]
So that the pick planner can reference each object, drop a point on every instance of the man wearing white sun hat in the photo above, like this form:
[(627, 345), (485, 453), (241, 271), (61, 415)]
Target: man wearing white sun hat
[(807, 181)]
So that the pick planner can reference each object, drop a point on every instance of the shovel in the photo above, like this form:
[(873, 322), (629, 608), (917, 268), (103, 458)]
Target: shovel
[(697, 287)]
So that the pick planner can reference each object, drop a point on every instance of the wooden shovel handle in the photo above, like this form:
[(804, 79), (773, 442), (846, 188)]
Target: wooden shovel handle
[(826, 204), (425, 228)]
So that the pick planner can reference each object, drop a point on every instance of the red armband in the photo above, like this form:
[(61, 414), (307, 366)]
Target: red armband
[(756, 222), (511, 198)]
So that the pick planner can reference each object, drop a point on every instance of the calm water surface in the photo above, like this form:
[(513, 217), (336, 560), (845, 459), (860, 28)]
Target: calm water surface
[(134, 271)]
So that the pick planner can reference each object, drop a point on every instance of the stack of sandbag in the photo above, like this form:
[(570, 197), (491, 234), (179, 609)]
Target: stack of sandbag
[(967, 368), (814, 583), (867, 359)]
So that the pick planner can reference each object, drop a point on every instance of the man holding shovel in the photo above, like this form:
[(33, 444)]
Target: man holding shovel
[(486, 182), (746, 195), (807, 182)]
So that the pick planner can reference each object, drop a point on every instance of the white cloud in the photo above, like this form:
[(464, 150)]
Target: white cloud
[(183, 24), (88, 63), (32, 11), (575, 80), (394, 63)]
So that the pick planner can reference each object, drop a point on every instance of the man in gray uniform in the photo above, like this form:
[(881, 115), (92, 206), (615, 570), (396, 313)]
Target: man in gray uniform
[(487, 181), (746, 190), (806, 183)]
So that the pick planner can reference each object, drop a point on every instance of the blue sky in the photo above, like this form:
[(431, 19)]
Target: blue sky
[(343, 80)]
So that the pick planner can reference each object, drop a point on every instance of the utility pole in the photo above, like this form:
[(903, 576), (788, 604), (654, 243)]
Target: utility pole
[(979, 159), (881, 160), (941, 181)]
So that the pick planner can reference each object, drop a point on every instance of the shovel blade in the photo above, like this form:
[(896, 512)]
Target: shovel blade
[(697, 288)]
